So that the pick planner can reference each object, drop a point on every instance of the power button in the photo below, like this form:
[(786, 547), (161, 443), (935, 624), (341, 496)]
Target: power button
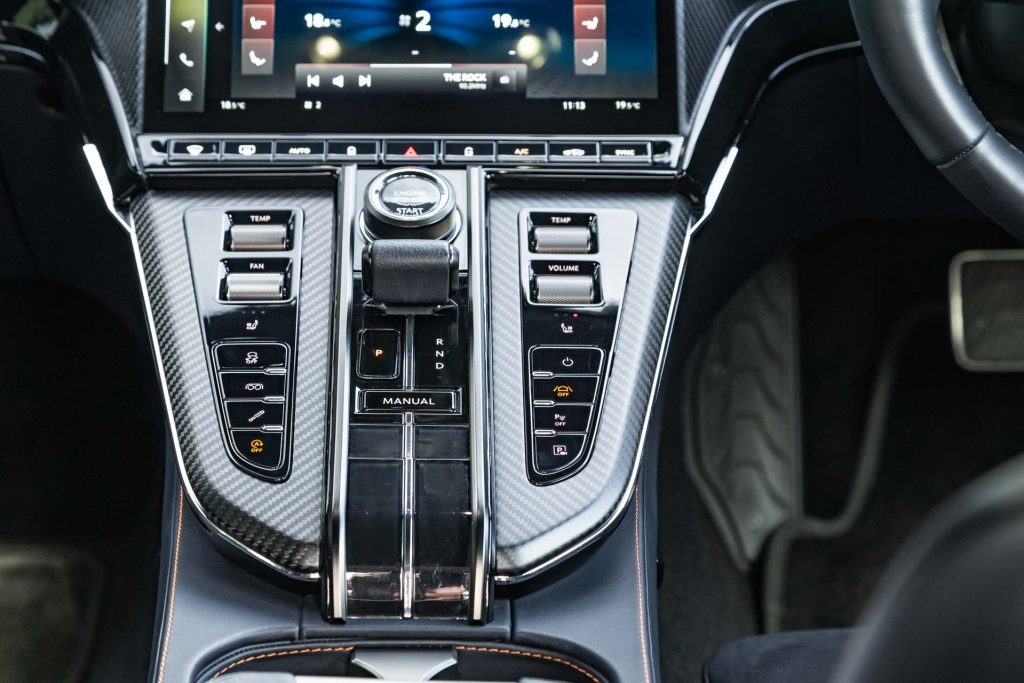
[(566, 360)]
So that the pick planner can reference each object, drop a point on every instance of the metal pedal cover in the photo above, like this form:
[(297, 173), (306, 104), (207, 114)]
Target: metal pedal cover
[(742, 413), (986, 309)]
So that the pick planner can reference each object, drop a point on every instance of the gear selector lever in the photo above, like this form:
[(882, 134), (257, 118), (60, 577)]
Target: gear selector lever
[(410, 272)]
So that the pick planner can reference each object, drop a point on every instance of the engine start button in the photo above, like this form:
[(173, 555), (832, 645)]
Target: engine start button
[(411, 195), (410, 202)]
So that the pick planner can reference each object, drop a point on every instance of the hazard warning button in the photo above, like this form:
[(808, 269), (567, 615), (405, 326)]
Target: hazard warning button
[(410, 151)]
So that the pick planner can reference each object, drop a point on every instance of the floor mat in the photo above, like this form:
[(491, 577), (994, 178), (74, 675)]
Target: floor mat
[(946, 427), (49, 599)]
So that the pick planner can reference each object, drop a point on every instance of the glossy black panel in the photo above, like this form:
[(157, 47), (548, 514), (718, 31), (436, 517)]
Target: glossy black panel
[(442, 443), (374, 536), (442, 534)]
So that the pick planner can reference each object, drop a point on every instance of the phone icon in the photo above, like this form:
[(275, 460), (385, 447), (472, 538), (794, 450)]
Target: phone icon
[(257, 24), (591, 24), (256, 59), (592, 59), (186, 61)]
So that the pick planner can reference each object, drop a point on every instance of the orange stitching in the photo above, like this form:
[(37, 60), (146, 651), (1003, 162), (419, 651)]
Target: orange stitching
[(640, 586), (534, 655), (174, 586), (281, 653)]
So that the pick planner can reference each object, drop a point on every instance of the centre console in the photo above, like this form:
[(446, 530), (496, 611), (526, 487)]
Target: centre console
[(410, 272)]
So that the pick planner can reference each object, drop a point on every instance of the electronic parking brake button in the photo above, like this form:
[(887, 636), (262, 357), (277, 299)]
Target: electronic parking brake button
[(566, 360), (553, 453), (409, 401)]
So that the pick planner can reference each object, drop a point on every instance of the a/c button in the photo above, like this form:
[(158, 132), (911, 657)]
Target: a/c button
[(566, 360)]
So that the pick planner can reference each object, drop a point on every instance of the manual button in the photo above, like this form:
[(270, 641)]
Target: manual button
[(408, 401)]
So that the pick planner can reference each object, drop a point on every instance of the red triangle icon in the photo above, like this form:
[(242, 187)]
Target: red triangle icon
[(411, 152)]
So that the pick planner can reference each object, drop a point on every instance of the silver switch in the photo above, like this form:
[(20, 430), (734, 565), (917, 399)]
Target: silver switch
[(254, 287), (564, 289), (556, 240), (259, 237)]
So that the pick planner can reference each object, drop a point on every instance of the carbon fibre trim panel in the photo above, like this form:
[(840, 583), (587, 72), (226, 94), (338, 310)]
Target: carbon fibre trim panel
[(537, 524), (119, 29), (705, 26), (279, 522)]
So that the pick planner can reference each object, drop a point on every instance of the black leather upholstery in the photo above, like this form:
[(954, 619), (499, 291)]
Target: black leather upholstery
[(902, 43)]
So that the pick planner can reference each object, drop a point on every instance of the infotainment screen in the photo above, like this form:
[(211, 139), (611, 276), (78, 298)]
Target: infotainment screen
[(412, 66)]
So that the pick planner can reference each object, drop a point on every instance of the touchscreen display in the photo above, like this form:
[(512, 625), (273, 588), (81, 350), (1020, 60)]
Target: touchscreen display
[(562, 65)]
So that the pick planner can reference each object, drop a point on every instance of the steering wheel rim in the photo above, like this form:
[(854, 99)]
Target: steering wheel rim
[(901, 40)]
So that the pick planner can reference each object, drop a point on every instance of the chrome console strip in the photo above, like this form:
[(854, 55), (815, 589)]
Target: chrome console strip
[(481, 553), (333, 553), (482, 538)]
